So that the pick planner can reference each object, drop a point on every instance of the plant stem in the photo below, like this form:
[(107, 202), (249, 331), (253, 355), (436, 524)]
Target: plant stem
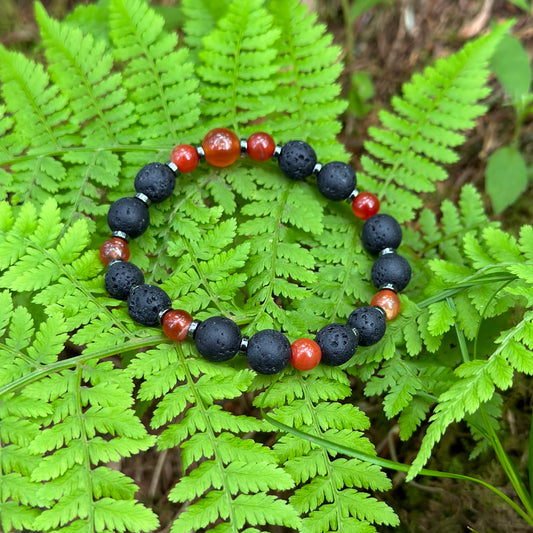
[(506, 463)]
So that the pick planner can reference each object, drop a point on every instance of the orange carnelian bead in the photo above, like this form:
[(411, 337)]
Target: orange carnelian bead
[(176, 324), (114, 248), (365, 205), (389, 301), (221, 147), (305, 354), (260, 146), (185, 157)]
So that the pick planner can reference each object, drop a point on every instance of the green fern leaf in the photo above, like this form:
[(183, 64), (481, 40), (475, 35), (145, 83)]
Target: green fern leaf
[(418, 138), (158, 76)]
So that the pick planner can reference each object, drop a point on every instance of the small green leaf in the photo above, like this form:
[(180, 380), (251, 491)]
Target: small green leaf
[(510, 63), (505, 177)]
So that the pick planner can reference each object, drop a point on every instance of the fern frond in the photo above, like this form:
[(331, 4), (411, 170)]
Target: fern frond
[(225, 483), (499, 273), (159, 77), (201, 17), (82, 68), (238, 65), (418, 137), (40, 117), (328, 488)]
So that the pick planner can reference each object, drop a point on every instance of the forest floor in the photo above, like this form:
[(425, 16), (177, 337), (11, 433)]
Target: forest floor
[(389, 43)]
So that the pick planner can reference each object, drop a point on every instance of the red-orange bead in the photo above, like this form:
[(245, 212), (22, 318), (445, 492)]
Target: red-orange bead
[(365, 205), (305, 354), (176, 323), (185, 157), (260, 146), (221, 147), (389, 301), (114, 248)]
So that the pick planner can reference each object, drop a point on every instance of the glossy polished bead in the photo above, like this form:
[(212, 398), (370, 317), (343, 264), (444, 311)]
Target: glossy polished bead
[(365, 205), (391, 269), (336, 180), (176, 323), (185, 157), (121, 277), (268, 351), (146, 302), (129, 215), (218, 338), (305, 354), (156, 181), (369, 323), (337, 342), (260, 146), (114, 248), (379, 232), (221, 147), (297, 160), (389, 301)]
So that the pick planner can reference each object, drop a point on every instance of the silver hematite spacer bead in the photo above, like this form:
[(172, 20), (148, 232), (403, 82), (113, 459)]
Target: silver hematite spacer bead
[(173, 166), (113, 261), (143, 198), (356, 333), (121, 235), (317, 168), (192, 328), (244, 344), (354, 194), (277, 151), (161, 314), (386, 251), (381, 310), (389, 286), (201, 153), (244, 146)]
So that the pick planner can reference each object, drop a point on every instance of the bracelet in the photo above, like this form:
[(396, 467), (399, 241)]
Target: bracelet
[(218, 338)]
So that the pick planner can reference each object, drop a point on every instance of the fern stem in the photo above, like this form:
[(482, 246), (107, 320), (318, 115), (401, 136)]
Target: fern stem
[(347, 267), (275, 240), (506, 463), (327, 461), (387, 463), (200, 402), (46, 370), (85, 440)]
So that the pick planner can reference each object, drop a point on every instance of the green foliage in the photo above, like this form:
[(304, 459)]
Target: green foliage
[(507, 171), (83, 388)]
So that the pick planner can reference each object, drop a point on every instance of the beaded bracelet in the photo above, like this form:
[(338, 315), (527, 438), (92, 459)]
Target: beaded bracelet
[(218, 338)]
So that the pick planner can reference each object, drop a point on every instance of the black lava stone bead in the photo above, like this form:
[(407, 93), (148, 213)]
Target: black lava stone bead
[(336, 180), (380, 232), (155, 180), (120, 277), (218, 338), (391, 269), (370, 323), (337, 342), (297, 160), (269, 351), (146, 302), (129, 215)]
